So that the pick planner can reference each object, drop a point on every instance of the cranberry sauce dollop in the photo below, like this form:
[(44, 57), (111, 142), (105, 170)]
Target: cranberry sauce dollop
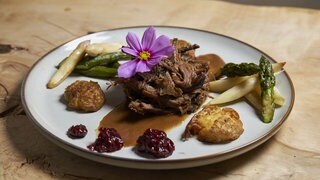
[(77, 131), (108, 140), (156, 143)]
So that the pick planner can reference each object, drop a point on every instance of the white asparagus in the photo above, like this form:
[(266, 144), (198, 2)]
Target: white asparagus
[(277, 67), (68, 65), (278, 98), (254, 97), (222, 85), (98, 48), (236, 92)]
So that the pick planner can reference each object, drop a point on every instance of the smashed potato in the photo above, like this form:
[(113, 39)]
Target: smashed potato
[(215, 125)]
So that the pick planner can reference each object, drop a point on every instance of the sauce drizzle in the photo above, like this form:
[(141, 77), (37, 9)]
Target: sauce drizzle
[(131, 125)]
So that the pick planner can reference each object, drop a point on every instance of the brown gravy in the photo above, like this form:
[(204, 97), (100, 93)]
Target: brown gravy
[(131, 125), (215, 64)]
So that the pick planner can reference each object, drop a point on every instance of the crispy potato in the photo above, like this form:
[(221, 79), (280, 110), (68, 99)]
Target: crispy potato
[(215, 125), (68, 65)]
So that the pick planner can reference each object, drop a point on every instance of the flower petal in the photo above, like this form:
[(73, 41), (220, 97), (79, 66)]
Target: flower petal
[(133, 41), (153, 62), (160, 43), (130, 51), (148, 38), (142, 66), (164, 52), (128, 69)]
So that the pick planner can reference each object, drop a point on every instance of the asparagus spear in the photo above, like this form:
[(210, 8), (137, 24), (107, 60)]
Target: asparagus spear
[(267, 83), (103, 59), (115, 64), (68, 65), (242, 69), (99, 72)]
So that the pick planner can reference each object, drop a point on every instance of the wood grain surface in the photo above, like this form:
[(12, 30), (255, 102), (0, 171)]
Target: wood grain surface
[(31, 28)]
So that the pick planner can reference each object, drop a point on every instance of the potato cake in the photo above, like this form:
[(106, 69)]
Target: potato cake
[(215, 125)]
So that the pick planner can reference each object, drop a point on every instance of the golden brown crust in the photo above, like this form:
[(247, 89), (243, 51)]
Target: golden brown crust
[(215, 125), (84, 96)]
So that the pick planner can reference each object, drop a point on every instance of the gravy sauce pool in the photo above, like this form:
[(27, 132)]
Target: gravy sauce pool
[(131, 125), (215, 64)]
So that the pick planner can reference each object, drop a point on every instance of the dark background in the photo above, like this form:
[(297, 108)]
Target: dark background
[(312, 4)]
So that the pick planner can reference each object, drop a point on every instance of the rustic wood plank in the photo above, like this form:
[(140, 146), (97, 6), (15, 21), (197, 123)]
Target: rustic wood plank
[(287, 34)]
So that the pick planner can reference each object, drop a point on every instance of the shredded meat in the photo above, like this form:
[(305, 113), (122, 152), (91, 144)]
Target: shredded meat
[(178, 84)]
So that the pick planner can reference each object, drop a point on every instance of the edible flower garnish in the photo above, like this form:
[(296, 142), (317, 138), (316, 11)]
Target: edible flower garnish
[(146, 54)]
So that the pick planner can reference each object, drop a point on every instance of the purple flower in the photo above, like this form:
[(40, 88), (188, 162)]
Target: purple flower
[(146, 54)]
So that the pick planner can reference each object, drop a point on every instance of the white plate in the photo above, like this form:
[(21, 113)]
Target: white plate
[(48, 112)]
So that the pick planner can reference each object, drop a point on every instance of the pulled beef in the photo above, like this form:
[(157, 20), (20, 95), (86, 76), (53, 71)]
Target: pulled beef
[(178, 84)]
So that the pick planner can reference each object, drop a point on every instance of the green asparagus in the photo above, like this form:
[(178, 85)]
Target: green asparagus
[(242, 69), (115, 64), (103, 59), (99, 72), (267, 83)]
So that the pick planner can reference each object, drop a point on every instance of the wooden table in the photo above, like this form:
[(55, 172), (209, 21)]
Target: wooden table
[(34, 27)]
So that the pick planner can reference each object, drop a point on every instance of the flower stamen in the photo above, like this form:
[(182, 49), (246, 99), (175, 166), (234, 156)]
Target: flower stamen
[(144, 55)]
